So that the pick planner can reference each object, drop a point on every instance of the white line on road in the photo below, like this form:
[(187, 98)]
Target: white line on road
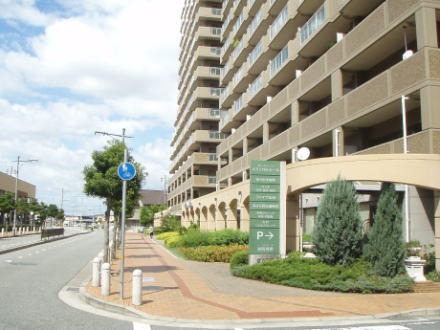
[(141, 326), (20, 257), (8, 261)]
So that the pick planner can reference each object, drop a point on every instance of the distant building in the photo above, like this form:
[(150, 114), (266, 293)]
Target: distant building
[(147, 197), (7, 184)]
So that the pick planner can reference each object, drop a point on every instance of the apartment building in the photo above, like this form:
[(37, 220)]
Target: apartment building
[(193, 158), (335, 76), (24, 189)]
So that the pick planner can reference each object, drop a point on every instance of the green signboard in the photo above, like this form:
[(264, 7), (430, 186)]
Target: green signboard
[(265, 207)]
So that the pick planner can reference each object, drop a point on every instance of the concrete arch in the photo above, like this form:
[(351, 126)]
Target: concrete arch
[(421, 170)]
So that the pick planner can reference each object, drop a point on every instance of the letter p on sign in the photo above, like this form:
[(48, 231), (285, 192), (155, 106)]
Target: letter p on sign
[(259, 234)]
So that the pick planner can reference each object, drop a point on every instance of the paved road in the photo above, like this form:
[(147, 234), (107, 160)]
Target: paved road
[(7, 243), (30, 280)]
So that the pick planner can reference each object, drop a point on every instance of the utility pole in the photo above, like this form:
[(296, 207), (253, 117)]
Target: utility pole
[(18, 161), (124, 193)]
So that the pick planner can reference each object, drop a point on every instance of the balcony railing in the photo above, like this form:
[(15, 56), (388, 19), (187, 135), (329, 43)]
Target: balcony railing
[(253, 55), (224, 117), (211, 179), (279, 60), (212, 157), (313, 24), (238, 22), (216, 31), (217, 135), (216, 91), (237, 76), (255, 86), (214, 113), (216, 11), (216, 50), (255, 22), (238, 104), (215, 71), (237, 49), (279, 22)]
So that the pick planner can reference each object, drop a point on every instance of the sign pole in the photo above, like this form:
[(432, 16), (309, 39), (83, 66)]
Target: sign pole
[(124, 193)]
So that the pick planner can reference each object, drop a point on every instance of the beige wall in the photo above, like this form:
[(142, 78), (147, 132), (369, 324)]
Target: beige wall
[(7, 184)]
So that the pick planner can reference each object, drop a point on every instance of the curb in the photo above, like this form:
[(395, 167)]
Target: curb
[(25, 246), (130, 311)]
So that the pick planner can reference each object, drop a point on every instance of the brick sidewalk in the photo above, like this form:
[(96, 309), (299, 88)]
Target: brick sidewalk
[(174, 288)]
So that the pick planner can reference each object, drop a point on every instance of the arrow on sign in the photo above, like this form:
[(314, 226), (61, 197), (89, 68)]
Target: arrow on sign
[(270, 235)]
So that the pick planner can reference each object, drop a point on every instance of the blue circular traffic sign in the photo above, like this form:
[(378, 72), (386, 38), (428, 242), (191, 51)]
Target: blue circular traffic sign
[(126, 171)]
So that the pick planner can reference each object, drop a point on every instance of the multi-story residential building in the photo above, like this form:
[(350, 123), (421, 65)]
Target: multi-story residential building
[(193, 159), (335, 76)]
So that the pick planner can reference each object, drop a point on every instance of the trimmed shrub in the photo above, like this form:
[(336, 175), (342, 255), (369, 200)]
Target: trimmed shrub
[(211, 253), (193, 238), (173, 241), (168, 234), (239, 258), (313, 274), (338, 232), (385, 248)]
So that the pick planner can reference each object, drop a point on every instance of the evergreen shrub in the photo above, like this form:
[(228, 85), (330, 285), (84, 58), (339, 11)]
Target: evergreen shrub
[(338, 232), (239, 258), (193, 238), (385, 248)]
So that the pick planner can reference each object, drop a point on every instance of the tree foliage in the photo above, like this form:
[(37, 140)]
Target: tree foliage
[(338, 232), (101, 180), (385, 248), (146, 217)]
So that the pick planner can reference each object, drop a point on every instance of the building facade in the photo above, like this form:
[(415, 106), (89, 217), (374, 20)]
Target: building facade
[(193, 158), (24, 189), (335, 76)]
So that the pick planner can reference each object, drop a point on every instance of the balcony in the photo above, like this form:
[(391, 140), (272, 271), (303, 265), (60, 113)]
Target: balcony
[(260, 56)]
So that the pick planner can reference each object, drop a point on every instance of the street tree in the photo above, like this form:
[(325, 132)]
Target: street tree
[(385, 248), (7, 205), (101, 180), (146, 217), (338, 232)]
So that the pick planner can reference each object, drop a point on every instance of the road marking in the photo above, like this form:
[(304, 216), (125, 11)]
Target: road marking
[(8, 261), (44, 250), (376, 327), (29, 254), (141, 326), (20, 257)]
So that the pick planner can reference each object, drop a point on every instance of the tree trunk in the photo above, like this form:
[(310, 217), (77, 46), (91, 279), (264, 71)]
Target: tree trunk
[(115, 230), (106, 234)]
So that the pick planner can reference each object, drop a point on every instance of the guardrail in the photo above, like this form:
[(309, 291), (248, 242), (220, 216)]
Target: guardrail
[(49, 232)]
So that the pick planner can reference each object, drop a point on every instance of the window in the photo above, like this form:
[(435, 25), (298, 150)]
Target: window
[(279, 60)]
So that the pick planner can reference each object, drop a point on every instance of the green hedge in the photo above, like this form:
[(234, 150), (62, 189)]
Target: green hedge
[(313, 274), (211, 253), (194, 238)]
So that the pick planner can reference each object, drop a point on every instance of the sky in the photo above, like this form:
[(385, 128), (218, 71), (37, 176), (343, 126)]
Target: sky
[(69, 68)]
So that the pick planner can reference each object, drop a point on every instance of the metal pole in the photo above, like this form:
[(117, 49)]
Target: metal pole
[(124, 193), (405, 151), (16, 198)]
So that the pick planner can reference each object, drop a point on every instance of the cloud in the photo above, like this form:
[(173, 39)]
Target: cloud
[(23, 11), (95, 65)]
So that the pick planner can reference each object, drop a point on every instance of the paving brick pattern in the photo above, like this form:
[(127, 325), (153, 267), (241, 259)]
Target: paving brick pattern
[(187, 290)]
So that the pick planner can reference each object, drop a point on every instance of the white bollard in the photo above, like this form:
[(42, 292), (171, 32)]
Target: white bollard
[(105, 279), (95, 272), (101, 256), (3, 232), (137, 287)]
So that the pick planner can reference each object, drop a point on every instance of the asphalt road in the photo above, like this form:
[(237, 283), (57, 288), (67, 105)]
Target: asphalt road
[(30, 280)]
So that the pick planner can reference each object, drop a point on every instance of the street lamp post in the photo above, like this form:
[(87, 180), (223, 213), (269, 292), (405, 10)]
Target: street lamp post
[(124, 193), (18, 161)]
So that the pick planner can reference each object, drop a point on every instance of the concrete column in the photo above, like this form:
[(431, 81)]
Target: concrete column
[(95, 272), (136, 287), (426, 26), (337, 85), (245, 145), (203, 220), (231, 217), (211, 219), (105, 279), (245, 218), (244, 175), (338, 142), (229, 181), (294, 113), (437, 229), (220, 222), (266, 127), (230, 156), (292, 223), (429, 101)]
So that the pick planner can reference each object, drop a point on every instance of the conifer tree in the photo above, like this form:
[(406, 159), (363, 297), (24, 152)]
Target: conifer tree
[(338, 232), (385, 249)]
